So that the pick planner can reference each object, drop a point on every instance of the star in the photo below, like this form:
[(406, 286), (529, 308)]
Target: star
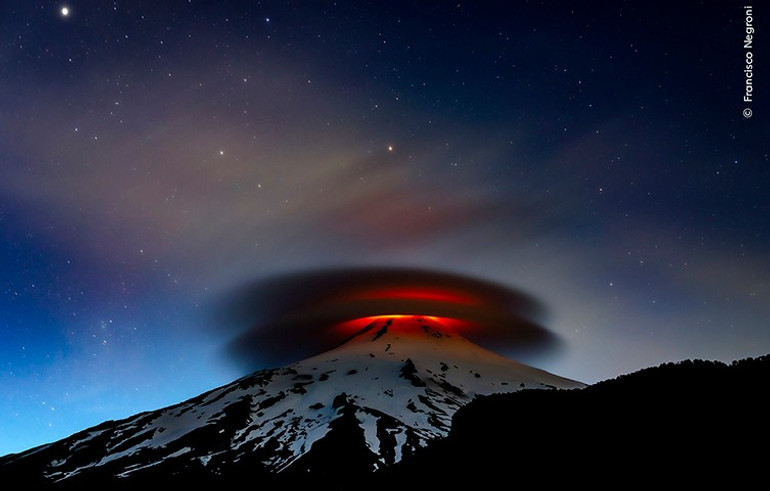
[(65, 11)]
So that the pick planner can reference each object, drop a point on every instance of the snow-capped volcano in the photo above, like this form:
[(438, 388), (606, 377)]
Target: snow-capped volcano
[(395, 384)]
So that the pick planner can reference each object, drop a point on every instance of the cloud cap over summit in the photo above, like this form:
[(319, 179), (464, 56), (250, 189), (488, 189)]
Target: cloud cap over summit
[(288, 317)]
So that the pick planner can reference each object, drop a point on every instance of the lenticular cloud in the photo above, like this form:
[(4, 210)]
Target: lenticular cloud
[(285, 318)]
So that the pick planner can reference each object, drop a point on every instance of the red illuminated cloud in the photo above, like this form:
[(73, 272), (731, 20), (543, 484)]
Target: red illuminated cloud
[(287, 318)]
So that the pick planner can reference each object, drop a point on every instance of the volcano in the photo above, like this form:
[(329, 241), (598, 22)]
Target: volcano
[(389, 390)]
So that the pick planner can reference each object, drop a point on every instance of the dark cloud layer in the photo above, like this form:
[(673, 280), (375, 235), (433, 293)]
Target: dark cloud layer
[(292, 316)]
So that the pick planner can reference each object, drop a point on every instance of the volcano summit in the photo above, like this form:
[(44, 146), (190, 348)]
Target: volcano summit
[(386, 392)]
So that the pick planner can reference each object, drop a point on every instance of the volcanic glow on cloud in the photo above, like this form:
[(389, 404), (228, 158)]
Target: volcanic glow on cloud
[(448, 324), (324, 308)]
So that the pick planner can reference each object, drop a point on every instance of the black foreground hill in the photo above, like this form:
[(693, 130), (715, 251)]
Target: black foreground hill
[(693, 423)]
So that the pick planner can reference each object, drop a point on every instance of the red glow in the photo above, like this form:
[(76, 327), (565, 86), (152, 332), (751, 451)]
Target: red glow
[(448, 324), (325, 308), (416, 293)]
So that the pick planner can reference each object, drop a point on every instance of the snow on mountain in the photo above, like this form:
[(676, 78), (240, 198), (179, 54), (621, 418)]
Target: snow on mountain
[(399, 380)]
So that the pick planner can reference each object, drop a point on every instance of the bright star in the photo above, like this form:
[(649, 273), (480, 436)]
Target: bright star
[(65, 11)]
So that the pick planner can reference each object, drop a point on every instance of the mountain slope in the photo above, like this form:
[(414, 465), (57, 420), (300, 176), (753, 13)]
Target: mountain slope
[(392, 388)]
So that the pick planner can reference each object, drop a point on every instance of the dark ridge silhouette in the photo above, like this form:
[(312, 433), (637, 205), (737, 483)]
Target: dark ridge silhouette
[(690, 423)]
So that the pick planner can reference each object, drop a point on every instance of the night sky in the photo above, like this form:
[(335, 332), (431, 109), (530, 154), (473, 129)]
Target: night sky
[(157, 156)]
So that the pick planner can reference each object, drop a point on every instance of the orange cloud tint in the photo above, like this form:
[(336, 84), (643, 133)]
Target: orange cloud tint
[(290, 317)]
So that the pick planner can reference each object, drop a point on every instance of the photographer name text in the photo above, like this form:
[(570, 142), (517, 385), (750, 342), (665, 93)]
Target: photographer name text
[(748, 46)]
